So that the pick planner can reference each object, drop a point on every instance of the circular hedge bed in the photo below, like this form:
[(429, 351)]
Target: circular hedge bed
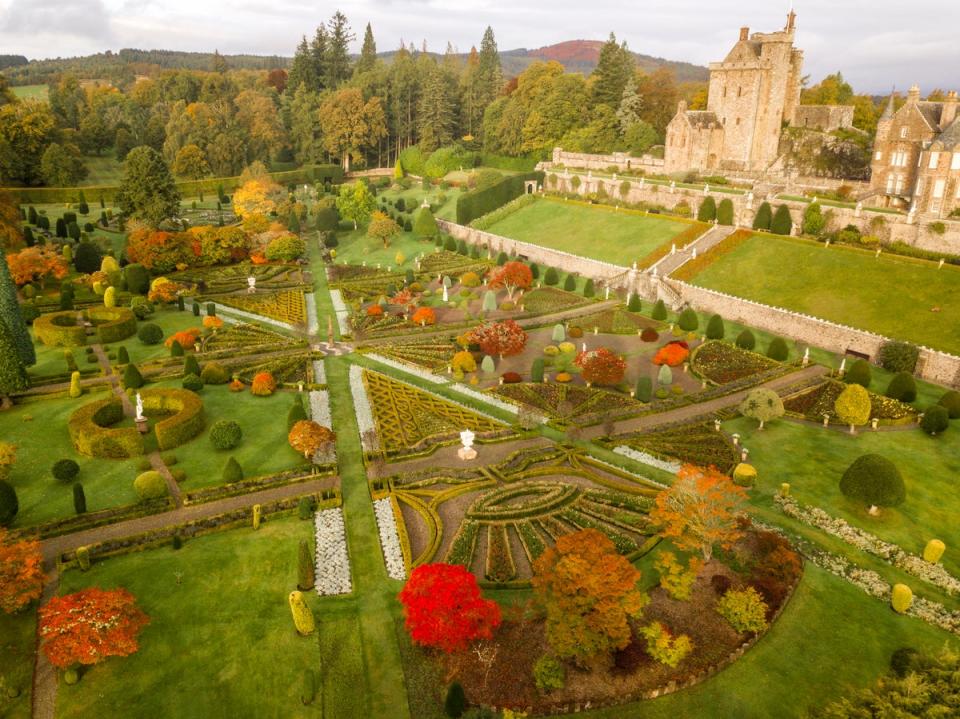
[(113, 323), (60, 329)]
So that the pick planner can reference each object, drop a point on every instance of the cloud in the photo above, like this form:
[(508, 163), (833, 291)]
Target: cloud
[(873, 42), (84, 19)]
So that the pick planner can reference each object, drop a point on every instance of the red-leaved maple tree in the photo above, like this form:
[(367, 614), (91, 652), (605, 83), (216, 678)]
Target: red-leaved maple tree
[(444, 608), (699, 510), (21, 572), (500, 338), (601, 366), (88, 626), (512, 276)]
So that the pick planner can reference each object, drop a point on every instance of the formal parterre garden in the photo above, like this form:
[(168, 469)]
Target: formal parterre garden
[(490, 488)]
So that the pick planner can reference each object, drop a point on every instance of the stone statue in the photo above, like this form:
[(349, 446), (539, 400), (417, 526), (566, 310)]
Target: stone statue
[(467, 452), (139, 416)]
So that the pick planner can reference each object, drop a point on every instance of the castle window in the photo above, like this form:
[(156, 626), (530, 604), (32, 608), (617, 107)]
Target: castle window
[(955, 162), (938, 188), (891, 179), (724, 91), (903, 133), (738, 121), (878, 156), (934, 160), (899, 186), (739, 91)]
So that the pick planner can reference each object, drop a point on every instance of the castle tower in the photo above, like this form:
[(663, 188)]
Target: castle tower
[(753, 92)]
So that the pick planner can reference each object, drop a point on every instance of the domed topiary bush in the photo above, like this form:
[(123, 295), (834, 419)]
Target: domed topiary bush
[(715, 329), (874, 481), (859, 373), (777, 349), (150, 334), (935, 420), (902, 387), (9, 504), (225, 434), (150, 485), (951, 400), (214, 373), (687, 321), (66, 470), (746, 340)]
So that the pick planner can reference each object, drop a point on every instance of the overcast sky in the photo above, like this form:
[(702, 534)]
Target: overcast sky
[(875, 43)]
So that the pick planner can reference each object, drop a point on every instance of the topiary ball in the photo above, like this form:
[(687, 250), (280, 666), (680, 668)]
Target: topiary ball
[(873, 480), (192, 383), (225, 434), (150, 334), (777, 350), (936, 419), (951, 400), (746, 340), (150, 485), (9, 504), (214, 373), (66, 470), (859, 373), (902, 387)]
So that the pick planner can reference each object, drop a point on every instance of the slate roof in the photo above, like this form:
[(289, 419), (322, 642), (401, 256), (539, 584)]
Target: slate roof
[(950, 138)]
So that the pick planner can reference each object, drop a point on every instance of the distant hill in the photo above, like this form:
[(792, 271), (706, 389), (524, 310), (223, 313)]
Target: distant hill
[(575, 55), (582, 55)]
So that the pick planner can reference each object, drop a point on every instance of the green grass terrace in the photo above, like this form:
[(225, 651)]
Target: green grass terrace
[(620, 237), (899, 297)]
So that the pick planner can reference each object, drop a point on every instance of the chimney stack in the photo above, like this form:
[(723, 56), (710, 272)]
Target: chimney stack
[(744, 33), (914, 95), (949, 113)]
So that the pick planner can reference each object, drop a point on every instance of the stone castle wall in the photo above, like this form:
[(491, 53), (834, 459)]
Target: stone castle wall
[(621, 160), (826, 118)]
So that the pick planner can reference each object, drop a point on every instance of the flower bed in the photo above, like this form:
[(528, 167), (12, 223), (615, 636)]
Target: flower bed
[(364, 414), (565, 402), (333, 563), (452, 264), (288, 306), (856, 537), (719, 362), (546, 300), (414, 357), (648, 459), (390, 538), (500, 567), (813, 403), (617, 321), (693, 443)]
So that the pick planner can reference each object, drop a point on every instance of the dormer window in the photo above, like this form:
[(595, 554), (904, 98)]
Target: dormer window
[(934, 160), (903, 133)]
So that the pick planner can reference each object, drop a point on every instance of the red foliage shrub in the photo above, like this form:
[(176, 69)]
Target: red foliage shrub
[(263, 384), (720, 584), (374, 311), (601, 366), (500, 338), (443, 608), (628, 659), (649, 335), (672, 354), (424, 316), (511, 378), (185, 338)]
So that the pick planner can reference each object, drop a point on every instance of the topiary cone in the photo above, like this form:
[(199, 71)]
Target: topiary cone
[(933, 551)]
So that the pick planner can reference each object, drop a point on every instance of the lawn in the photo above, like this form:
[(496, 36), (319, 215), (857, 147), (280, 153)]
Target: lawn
[(103, 170), (889, 295), (220, 641), (598, 232), (813, 460), (264, 448), (416, 194), (17, 642), (170, 320), (356, 248), (39, 429), (30, 92)]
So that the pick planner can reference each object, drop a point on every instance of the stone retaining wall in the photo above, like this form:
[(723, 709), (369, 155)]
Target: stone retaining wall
[(932, 365), (888, 226)]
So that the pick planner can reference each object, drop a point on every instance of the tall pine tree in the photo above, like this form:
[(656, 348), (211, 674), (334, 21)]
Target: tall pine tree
[(489, 71), (614, 69), (339, 38), (10, 311), (368, 53), (471, 107), (303, 70), (320, 59)]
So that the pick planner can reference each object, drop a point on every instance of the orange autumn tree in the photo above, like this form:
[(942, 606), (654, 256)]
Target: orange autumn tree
[(36, 264), (424, 316), (590, 594), (309, 437), (512, 276), (21, 572), (601, 366), (700, 510), (185, 338), (672, 354), (88, 626)]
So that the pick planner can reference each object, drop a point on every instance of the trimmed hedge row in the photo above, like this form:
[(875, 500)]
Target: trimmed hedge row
[(186, 424), (477, 203), (113, 323), (60, 329), (92, 436)]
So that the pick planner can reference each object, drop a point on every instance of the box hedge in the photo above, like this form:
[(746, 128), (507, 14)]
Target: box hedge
[(60, 329), (477, 203), (92, 434), (184, 425), (113, 323)]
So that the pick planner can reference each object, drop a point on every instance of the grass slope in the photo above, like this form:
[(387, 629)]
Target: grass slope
[(597, 232), (893, 296)]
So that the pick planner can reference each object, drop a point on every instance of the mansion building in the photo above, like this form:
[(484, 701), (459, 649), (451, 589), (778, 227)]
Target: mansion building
[(916, 156)]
